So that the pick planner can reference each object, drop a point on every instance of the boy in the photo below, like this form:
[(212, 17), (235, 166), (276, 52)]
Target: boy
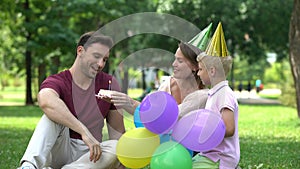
[(213, 68)]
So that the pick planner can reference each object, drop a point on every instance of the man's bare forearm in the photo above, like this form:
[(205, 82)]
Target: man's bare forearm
[(56, 110)]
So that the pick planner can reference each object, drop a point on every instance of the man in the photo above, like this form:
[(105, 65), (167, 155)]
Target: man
[(69, 134)]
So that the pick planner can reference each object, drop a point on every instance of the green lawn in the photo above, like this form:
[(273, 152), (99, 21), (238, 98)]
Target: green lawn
[(12, 96), (269, 135)]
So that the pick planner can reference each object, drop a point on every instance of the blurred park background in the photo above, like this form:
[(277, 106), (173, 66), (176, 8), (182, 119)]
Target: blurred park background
[(38, 38)]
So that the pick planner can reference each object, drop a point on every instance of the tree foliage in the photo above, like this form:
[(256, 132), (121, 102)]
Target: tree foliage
[(252, 29)]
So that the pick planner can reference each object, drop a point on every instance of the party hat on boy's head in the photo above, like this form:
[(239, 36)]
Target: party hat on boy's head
[(201, 39), (217, 45)]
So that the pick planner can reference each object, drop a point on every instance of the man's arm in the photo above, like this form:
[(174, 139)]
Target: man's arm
[(56, 110), (115, 124)]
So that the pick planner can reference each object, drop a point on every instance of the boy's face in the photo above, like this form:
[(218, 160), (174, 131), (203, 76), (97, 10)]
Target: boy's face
[(203, 74)]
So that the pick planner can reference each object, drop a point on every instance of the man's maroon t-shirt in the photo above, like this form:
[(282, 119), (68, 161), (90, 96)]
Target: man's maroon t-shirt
[(83, 104)]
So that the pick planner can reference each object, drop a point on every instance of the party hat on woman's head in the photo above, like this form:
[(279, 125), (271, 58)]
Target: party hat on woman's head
[(201, 39), (217, 45)]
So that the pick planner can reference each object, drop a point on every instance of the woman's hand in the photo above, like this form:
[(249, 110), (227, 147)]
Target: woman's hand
[(123, 101)]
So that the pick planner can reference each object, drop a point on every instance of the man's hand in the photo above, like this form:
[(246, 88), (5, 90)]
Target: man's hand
[(93, 144)]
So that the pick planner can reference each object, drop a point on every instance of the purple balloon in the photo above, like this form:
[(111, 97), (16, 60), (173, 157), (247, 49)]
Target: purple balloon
[(159, 112), (200, 130)]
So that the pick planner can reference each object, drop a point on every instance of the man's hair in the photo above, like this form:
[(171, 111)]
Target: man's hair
[(220, 63), (92, 37), (190, 52)]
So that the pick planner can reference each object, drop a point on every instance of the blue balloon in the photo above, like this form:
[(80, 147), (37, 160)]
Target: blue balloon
[(191, 152), (165, 138), (136, 118)]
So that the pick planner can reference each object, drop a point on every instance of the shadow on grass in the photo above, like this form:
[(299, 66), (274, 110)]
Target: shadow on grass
[(280, 152)]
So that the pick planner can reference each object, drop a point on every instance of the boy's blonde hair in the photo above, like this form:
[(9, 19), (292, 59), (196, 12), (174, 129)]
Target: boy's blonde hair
[(221, 64)]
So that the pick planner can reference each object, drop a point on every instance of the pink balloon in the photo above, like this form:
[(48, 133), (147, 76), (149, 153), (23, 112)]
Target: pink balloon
[(200, 130), (159, 112)]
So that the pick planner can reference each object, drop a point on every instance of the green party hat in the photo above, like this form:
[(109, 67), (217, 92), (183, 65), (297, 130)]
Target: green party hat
[(217, 45), (201, 39)]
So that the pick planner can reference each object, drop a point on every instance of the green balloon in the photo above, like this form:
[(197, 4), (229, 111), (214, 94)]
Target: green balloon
[(171, 155)]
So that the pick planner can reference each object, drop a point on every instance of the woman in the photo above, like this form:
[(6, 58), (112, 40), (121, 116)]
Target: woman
[(185, 86)]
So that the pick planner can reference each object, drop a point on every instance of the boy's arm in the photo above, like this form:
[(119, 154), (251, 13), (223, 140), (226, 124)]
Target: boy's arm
[(228, 118)]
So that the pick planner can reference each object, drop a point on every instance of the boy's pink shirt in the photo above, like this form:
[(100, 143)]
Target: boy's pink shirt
[(228, 152)]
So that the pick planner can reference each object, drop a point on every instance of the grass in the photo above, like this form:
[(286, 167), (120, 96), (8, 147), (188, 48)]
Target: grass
[(16, 127), (12, 96), (269, 135), (17, 124)]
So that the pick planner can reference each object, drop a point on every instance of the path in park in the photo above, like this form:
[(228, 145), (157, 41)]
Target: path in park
[(245, 97)]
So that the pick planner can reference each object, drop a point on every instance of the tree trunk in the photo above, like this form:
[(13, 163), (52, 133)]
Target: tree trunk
[(55, 62), (29, 100), (41, 73), (294, 41)]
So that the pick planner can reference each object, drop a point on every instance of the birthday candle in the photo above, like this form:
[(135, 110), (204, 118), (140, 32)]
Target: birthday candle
[(109, 85)]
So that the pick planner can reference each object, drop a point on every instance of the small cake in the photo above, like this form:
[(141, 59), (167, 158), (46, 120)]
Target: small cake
[(104, 93)]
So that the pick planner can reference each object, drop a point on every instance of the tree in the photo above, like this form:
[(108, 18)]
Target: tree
[(252, 28), (55, 25), (294, 39), (28, 98)]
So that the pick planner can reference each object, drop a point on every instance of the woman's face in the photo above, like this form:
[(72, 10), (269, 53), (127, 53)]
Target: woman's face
[(182, 68)]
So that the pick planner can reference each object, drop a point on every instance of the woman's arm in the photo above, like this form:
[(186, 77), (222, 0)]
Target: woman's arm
[(123, 101)]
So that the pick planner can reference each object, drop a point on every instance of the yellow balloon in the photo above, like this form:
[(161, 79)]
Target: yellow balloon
[(136, 147)]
